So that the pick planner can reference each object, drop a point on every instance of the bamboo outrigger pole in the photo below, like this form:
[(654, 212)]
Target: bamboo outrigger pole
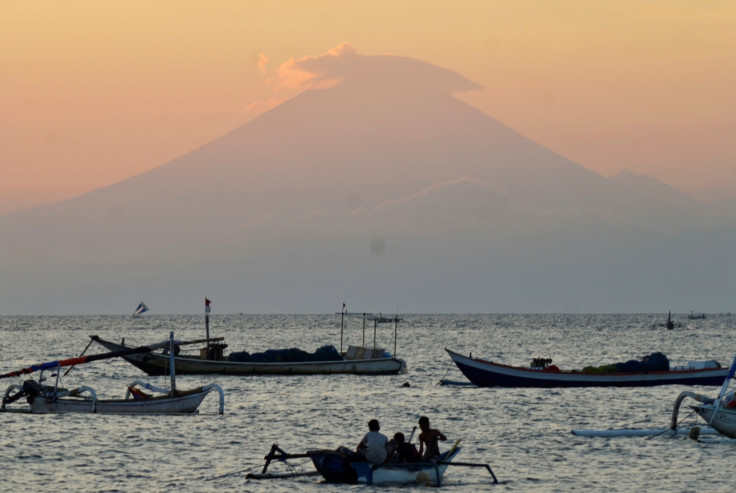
[(83, 359)]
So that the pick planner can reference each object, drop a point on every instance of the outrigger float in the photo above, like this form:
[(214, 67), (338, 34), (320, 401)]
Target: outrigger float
[(719, 413), (336, 466), (53, 399)]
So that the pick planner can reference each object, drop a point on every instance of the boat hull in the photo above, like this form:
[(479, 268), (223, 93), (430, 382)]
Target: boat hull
[(186, 403), (336, 468), (157, 405), (158, 364), (725, 418), (401, 474), (485, 373)]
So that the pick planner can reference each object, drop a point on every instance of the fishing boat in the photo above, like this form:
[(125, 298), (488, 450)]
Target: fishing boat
[(669, 324), (54, 399), (719, 414), (357, 360), (336, 468), (341, 466), (542, 373)]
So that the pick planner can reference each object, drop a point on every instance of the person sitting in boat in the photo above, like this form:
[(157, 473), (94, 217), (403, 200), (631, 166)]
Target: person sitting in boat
[(404, 452), (373, 445), (429, 448)]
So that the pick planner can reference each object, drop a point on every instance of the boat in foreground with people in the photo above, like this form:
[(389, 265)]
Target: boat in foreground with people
[(140, 397), (357, 360), (337, 467), (342, 466), (651, 370)]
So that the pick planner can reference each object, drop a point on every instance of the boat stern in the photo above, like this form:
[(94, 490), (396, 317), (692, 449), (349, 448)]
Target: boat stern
[(334, 466)]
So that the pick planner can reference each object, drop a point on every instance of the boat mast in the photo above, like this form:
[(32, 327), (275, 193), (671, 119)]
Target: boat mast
[(342, 324), (375, 327), (171, 363), (207, 323)]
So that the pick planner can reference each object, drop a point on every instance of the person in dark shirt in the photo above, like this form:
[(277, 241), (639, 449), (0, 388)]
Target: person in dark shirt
[(404, 452)]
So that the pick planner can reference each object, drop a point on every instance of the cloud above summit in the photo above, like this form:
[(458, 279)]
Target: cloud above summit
[(344, 65)]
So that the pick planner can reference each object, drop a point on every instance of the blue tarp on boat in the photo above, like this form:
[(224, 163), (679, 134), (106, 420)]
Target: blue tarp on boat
[(652, 362), (291, 355)]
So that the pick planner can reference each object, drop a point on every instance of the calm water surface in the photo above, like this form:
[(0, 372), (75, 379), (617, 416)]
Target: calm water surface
[(523, 434)]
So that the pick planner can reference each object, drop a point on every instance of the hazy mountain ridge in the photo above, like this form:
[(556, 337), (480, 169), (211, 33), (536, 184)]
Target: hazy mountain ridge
[(339, 190)]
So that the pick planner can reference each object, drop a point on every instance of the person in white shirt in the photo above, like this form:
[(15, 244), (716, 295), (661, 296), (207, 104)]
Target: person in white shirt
[(373, 445)]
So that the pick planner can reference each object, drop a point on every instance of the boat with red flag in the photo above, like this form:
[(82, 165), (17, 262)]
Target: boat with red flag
[(364, 359)]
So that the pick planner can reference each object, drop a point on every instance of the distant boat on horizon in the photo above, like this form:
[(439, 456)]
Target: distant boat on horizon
[(142, 308), (669, 324)]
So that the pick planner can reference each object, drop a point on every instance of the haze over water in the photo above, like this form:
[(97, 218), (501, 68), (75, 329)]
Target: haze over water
[(524, 434)]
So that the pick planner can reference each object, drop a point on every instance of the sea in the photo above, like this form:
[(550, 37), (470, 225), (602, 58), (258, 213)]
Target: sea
[(524, 435)]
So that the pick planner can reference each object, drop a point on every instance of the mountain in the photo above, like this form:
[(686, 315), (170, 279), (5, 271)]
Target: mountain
[(651, 187), (381, 190), (724, 210)]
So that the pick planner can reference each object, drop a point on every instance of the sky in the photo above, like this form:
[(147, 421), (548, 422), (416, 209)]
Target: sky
[(95, 92)]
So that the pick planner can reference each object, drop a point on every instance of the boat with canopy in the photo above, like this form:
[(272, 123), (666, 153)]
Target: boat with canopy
[(140, 397), (210, 359)]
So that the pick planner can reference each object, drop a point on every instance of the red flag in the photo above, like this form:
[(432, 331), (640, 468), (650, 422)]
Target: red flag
[(207, 305)]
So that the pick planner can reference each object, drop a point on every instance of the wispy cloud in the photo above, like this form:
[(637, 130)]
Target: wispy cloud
[(262, 106), (315, 72), (343, 64), (262, 61)]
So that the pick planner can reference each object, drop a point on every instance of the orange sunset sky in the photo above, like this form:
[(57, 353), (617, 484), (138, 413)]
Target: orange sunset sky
[(94, 92)]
